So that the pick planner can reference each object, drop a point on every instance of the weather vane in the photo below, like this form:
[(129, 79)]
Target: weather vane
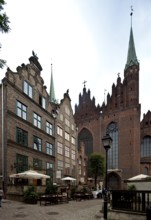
[(131, 13)]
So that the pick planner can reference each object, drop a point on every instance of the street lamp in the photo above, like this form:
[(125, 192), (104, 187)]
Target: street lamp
[(107, 141)]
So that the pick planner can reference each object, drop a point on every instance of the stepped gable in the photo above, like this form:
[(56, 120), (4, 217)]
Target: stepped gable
[(86, 110), (29, 72), (146, 121)]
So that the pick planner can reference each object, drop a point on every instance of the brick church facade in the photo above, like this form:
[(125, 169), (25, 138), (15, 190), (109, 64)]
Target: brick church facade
[(120, 118)]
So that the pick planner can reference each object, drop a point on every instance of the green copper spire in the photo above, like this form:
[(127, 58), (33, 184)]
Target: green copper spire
[(131, 56), (52, 91)]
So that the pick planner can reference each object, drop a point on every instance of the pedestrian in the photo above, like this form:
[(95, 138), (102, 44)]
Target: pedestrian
[(1, 195)]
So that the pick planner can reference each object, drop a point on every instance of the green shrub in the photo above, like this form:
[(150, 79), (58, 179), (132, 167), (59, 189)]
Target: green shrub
[(30, 194), (132, 187)]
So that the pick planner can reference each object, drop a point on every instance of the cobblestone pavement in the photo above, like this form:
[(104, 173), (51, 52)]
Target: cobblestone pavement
[(74, 210)]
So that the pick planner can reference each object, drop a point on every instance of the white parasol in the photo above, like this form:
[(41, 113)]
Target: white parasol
[(138, 177), (30, 174), (68, 178)]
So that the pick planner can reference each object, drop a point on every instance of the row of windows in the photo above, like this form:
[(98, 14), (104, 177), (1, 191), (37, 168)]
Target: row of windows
[(60, 165), (37, 119), (67, 136), (67, 122), (28, 90), (22, 138), (22, 164), (66, 150)]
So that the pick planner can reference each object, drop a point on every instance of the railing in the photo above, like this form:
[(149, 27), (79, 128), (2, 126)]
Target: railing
[(134, 201)]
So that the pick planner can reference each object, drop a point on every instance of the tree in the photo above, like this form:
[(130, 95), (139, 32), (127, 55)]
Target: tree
[(4, 26), (96, 166)]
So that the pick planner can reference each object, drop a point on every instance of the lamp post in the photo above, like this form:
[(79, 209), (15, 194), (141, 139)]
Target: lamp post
[(107, 141)]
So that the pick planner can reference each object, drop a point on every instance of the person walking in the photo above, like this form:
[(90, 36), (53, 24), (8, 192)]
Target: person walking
[(1, 195)]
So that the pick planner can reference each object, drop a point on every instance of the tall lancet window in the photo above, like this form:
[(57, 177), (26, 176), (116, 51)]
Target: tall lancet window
[(146, 146), (113, 152)]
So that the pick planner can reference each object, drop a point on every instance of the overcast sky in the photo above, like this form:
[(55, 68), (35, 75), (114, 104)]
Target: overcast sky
[(84, 39)]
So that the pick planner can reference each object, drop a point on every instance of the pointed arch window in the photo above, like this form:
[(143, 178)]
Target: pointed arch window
[(146, 170), (146, 146), (113, 152), (86, 137)]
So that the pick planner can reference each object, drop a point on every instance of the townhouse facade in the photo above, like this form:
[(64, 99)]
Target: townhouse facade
[(32, 137)]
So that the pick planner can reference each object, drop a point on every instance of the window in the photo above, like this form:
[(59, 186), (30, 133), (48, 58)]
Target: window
[(49, 169), (72, 127), (80, 170), (73, 155), (67, 122), (67, 165), (61, 117), (28, 90), (67, 137), (146, 146), (112, 130), (59, 131), (37, 143), (59, 148), (67, 154), (21, 110), (48, 128), (146, 170), (37, 120), (21, 137), (42, 101), (67, 110), (72, 140), (21, 163), (86, 137), (49, 149), (80, 161), (37, 164), (60, 165)]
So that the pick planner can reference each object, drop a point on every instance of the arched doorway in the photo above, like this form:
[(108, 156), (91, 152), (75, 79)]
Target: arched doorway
[(114, 181)]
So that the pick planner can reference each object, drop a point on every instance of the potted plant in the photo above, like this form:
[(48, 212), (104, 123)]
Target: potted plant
[(30, 195)]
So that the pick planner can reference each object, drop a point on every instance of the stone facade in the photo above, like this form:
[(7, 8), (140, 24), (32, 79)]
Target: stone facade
[(25, 109), (66, 148), (28, 128)]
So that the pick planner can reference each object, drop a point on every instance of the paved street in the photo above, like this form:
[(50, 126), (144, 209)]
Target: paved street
[(74, 210)]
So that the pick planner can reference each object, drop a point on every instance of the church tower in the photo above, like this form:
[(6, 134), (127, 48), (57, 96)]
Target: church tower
[(120, 118)]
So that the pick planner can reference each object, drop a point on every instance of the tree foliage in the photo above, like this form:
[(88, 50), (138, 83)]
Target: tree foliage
[(4, 26), (96, 166)]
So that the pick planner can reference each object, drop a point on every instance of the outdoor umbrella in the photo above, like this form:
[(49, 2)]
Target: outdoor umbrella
[(68, 178), (30, 174), (138, 177)]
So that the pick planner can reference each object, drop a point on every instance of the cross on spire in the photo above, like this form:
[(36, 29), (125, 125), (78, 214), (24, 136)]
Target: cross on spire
[(131, 13), (84, 83)]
